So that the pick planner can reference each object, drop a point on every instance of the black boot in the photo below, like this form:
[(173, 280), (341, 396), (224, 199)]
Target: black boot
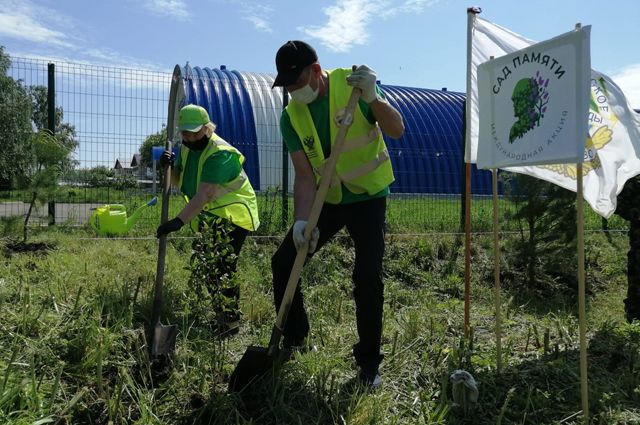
[(632, 310)]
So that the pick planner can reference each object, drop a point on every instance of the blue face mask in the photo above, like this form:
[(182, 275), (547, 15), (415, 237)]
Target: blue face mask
[(306, 94)]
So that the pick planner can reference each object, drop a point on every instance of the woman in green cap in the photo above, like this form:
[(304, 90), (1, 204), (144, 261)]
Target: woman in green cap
[(208, 171)]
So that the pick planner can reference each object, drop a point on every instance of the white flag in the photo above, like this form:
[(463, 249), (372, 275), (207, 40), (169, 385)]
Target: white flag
[(533, 103), (612, 152)]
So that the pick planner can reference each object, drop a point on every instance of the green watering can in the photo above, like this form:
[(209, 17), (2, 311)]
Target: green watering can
[(111, 219)]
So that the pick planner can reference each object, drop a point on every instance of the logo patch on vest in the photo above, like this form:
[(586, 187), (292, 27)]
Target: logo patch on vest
[(309, 142)]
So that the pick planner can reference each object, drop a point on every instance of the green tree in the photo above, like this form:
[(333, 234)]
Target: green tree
[(15, 125), (99, 176), (24, 110), (65, 132), (546, 215), (41, 179), (157, 139)]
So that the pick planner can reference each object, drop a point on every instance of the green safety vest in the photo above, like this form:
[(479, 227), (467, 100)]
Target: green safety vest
[(364, 164), (236, 201)]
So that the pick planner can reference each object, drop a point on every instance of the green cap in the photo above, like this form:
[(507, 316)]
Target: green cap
[(192, 118)]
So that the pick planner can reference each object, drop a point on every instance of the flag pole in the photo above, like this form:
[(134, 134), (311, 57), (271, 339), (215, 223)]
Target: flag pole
[(496, 267), (584, 386), (471, 16), (496, 270), (467, 250)]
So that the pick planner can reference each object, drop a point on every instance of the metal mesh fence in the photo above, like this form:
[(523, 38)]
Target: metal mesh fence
[(112, 111)]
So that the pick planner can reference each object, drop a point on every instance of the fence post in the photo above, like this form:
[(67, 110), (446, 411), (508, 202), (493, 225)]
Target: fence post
[(51, 126), (285, 170)]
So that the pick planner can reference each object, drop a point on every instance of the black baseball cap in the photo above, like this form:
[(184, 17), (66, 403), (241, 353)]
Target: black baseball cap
[(291, 59)]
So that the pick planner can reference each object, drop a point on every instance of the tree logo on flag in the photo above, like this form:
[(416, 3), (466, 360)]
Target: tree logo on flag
[(530, 98), (533, 104)]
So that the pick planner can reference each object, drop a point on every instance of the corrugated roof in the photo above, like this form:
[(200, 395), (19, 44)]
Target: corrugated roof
[(427, 159)]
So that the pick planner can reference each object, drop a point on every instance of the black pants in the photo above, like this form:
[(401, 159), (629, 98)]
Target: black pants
[(632, 302), (236, 240), (365, 223)]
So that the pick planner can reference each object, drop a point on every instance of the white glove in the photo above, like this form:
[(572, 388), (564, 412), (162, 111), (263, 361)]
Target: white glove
[(364, 78), (298, 235)]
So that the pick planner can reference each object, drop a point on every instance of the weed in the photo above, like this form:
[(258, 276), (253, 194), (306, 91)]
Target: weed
[(73, 348)]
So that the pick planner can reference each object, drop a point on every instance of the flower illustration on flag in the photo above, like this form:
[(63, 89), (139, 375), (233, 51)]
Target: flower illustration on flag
[(600, 133), (600, 138)]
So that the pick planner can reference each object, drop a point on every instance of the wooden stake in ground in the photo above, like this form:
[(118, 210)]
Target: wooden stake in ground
[(496, 271), (584, 385), (471, 16), (582, 315)]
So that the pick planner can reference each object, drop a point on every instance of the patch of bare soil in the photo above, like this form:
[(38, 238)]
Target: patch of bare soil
[(41, 248)]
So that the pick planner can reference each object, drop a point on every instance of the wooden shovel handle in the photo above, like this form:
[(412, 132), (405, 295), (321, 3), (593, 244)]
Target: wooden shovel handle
[(316, 208), (162, 245), (164, 213)]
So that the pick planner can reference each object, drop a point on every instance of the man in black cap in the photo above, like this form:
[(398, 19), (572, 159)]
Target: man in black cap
[(309, 126)]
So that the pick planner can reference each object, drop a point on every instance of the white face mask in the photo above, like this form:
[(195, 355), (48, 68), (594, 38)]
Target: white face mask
[(305, 94)]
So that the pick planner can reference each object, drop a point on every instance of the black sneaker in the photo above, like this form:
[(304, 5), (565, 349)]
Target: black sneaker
[(370, 380)]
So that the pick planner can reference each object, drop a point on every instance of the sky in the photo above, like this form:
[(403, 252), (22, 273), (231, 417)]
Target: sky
[(414, 43)]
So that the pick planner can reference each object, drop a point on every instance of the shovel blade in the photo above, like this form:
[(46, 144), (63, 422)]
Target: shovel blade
[(255, 362), (164, 340)]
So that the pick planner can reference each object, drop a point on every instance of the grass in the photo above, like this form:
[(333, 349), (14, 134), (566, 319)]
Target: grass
[(73, 349), (413, 214)]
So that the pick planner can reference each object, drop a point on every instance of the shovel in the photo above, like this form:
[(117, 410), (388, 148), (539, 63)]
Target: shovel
[(257, 361), (163, 338)]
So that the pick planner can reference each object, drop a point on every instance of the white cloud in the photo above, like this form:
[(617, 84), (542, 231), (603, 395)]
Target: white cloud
[(257, 13), (347, 24), (94, 58), (409, 6), (52, 37), (172, 8), (111, 58), (24, 21), (629, 81), (418, 5), (259, 23), (348, 21)]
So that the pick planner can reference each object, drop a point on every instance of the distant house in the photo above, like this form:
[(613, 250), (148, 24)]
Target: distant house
[(136, 161), (118, 167), (135, 168)]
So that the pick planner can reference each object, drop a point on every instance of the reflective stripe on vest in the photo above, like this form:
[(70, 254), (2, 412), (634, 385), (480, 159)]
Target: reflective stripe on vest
[(364, 164), (235, 200), (226, 189)]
